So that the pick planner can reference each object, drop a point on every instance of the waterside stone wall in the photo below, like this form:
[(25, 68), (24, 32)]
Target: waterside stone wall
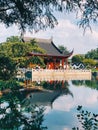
[(46, 74)]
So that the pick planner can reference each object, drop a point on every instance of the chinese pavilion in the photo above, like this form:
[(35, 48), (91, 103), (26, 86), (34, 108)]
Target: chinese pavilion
[(53, 58)]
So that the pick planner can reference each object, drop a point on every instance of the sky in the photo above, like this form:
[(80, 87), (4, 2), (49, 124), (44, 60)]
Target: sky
[(66, 33)]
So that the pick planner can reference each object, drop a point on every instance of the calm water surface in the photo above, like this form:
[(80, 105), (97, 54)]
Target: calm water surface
[(62, 115), (61, 109), (60, 100)]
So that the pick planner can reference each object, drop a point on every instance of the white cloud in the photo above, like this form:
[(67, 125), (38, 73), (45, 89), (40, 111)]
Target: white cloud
[(7, 32), (66, 33), (71, 36)]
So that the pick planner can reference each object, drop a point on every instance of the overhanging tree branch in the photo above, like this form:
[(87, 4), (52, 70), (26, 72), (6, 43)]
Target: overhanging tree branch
[(38, 14), (5, 9)]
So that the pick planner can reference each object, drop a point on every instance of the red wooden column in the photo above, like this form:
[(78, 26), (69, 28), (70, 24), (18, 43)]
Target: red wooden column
[(54, 63), (63, 60), (48, 63)]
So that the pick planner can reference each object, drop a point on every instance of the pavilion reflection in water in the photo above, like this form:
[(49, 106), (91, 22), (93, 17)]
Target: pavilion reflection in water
[(52, 90), (55, 84)]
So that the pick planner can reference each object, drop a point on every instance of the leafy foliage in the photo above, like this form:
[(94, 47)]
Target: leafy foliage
[(13, 114), (32, 14), (7, 68), (18, 50), (63, 49), (88, 120), (35, 60), (93, 54), (89, 59), (77, 58), (10, 84), (90, 62), (13, 39), (89, 11), (38, 14), (15, 48)]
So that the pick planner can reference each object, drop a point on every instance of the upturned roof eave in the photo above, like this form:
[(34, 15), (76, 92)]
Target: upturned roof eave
[(50, 55)]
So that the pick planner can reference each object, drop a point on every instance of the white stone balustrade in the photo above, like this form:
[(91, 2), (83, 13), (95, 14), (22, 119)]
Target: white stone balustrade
[(47, 74)]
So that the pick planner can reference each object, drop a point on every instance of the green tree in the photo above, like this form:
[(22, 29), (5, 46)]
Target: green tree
[(35, 60), (93, 54), (77, 58), (89, 62), (18, 50), (13, 47), (13, 39), (38, 14), (9, 84), (7, 68), (63, 49)]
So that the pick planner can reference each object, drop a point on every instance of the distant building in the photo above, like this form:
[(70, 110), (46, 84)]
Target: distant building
[(53, 58), (77, 66)]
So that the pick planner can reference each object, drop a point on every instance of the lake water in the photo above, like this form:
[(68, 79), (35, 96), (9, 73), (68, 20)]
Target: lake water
[(60, 100), (62, 115)]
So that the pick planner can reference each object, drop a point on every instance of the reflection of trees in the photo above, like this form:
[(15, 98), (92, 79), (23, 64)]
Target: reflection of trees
[(13, 115), (78, 82), (55, 85), (52, 90), (92, 84), (89, 83), (61, 86)]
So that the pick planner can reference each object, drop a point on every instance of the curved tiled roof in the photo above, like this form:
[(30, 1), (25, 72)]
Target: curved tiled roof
[(47, 45)]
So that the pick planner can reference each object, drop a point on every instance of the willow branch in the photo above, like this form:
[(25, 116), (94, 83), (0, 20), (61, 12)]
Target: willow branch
[(5, 9)]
